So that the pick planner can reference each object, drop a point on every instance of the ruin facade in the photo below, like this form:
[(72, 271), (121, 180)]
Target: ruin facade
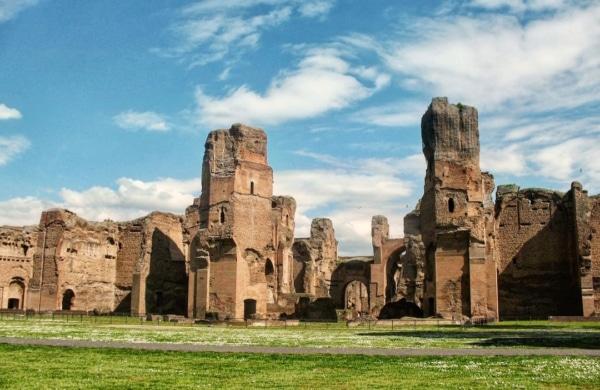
[(234, 255)]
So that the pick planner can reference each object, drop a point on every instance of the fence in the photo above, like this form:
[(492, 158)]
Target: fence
[(170, 320)]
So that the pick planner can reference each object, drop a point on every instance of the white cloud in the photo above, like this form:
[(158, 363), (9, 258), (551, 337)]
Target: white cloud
[(315, 8), (519, 5), (575, 159), (10, 8), (498, 61), (397, 114), (129, 200), (208, 31), (323, 81), (507, 160), (12, 146), (147, 120), (22, 211), (9, 113), (350, 192)]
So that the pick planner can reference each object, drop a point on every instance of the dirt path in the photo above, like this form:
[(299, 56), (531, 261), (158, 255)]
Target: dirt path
[(305, 350)]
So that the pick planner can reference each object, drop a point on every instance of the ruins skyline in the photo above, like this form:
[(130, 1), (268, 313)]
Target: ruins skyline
[(113, 127)]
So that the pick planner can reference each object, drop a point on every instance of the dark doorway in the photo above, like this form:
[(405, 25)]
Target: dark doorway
[(68, 298), (249, 309), (13, 303)]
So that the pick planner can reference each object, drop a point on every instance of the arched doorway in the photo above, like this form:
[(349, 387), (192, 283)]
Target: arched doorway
[(16, 294), (394, 274), (270, 278), (356, 297), (68, 300), (249, 309)]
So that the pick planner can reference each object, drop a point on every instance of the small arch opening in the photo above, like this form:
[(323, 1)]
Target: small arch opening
[(222, 216), (68, 299), (287, 220), (251, 188), (451, 205), (269, 269)]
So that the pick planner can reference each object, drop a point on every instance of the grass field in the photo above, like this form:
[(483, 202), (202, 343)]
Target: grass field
[(510, 334), (48, 367)]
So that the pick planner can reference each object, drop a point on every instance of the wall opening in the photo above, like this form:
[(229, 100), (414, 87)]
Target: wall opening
[(25, 249), (16, 293), (251, 188), (249, 309), (431, 302), (269, 269), (356, 297), (14, 304), (451, 205), (222, 217), (68, 299)]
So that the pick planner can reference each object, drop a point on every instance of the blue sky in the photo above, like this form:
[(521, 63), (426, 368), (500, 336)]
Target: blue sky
[(105, 105)]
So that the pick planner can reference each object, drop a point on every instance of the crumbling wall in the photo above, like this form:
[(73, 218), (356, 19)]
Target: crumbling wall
[(160, 278), (315, 259), (131, 239), (17, 246), (76, 271), (535, 262), (595, 250), (280, 283)]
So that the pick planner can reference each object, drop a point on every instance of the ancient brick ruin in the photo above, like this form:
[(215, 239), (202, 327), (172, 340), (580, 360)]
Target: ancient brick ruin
[(233, 255)]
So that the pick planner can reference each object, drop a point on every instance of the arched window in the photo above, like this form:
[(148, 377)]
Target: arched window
[(16, 294), (287, 220), (451, 205), (68, 299), (269, 269), (251, 188), (222, 218)]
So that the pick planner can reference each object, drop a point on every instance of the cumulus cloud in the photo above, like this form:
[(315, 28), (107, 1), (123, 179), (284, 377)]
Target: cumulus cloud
[(129, 200), (350, 192), (22, 210), (499, 61), (10, 8), (11, 147), (323, 81), (208, 31), (9, 113), (147, 120)]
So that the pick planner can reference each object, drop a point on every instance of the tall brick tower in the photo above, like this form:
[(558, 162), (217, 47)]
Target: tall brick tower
[(235, 253), (456, 215)]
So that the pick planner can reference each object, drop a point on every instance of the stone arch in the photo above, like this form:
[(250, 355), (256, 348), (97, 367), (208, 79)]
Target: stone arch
[(271, 281), (16, 294), (393, 273), (269, 269), (68, 300), (356, 297)]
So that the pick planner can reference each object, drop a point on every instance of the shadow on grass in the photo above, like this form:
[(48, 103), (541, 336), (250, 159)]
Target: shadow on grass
[(586, 340)]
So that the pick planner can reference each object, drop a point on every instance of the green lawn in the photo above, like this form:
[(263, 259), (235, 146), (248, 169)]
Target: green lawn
[(48, 367), (513, 334)]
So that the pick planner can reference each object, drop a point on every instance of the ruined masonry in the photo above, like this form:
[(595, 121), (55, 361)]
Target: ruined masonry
[(532, 253)]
